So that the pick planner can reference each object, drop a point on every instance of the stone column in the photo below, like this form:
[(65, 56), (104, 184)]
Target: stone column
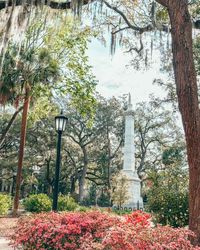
[(134, 190)]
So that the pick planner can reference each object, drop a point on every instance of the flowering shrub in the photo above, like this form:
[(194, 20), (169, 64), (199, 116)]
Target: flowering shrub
[(62, 231), (94, 230), (139, 218)]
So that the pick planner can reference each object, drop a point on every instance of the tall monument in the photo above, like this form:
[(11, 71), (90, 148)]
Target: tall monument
[(134, 190)]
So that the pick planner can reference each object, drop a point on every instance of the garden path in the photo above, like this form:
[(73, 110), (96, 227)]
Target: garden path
[(4, 244), (7, 225)]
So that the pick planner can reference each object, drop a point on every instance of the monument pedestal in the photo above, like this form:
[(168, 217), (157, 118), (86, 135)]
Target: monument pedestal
[(135, 201)]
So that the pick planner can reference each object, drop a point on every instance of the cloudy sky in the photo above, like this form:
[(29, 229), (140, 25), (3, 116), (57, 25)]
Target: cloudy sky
[(116, 79)]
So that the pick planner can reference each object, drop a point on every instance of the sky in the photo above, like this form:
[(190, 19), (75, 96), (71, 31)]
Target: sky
[(116, 79)]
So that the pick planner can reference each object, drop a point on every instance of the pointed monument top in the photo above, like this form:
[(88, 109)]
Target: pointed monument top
[(130, 106), (129, 99)]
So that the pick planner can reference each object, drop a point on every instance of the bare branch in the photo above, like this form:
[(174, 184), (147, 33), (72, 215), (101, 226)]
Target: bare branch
[(136, 49), (130, 25), (119, 30), (117, 149)]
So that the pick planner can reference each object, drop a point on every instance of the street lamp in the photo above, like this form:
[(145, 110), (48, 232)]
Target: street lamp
[(36, 169), (60, 125)]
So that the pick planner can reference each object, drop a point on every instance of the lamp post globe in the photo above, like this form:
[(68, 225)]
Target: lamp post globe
[(60, 125), (60, 122)]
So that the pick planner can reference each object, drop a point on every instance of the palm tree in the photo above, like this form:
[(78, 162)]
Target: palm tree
[(25, 70)]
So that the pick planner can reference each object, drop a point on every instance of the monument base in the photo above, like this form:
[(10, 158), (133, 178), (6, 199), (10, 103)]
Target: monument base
[(135, 200)]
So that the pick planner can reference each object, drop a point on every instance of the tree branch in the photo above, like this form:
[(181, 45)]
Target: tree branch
[(119, 30), (136, 49), (130, 25), (163, 2), (117, 149), (94, 180)]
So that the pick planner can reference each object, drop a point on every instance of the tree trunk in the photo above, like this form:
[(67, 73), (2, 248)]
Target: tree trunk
[(7, 129), (109, 157), (72, 184), (83, 175), (21, 151), (49, 182), (187, 92)]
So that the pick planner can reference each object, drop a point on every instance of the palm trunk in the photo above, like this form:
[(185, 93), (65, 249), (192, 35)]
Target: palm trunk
[(187, 92), (21, 151)]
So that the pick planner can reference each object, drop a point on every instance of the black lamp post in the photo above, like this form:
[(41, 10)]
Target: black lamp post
[(60, 124)]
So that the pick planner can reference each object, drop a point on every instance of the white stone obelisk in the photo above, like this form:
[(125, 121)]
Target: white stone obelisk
[(134, 190)]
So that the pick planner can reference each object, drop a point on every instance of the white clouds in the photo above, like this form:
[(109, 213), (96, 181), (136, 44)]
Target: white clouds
[(116, 79)]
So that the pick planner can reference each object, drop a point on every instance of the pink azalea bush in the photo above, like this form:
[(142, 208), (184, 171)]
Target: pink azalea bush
[(139, 218), (94, 230)]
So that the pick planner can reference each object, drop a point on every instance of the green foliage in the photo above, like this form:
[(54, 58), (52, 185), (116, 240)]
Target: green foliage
[(50, 66), (167, 196), (121, 212), (104, 199), (97, 197), (162, 15), (78, 81), (169, 206), (92, 194), (195, 8), (66, 203), (82, 209), (38, 203), (172, 155), (5, 203)]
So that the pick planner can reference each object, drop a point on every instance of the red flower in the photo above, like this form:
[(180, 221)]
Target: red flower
[(94, 230)]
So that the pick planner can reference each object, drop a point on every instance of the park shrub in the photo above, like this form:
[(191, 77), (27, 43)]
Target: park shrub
[(5, 203), (94, 230), (37, 203), (121, 211), (170, 207), (66, 203), (82, 209)]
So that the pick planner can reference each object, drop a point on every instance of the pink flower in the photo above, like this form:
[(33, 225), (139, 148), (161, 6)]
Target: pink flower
[(94, 230)]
